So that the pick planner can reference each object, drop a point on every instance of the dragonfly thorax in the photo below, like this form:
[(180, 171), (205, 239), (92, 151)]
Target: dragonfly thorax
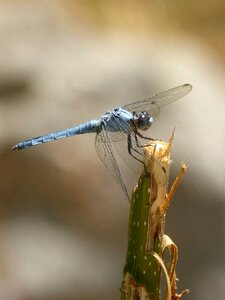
[(143, 121)]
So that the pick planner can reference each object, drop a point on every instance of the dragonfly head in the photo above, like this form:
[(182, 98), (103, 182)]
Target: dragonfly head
[(144, 121)]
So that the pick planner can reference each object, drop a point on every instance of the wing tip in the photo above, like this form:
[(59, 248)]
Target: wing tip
[(189, 86)]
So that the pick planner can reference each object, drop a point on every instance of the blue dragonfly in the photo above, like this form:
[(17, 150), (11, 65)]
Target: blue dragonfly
[(118, 129)]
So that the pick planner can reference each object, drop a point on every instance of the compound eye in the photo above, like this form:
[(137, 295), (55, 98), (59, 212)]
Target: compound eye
[(144, 120)]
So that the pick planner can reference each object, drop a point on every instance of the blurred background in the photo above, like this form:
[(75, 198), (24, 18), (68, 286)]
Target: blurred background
[(63, 230)]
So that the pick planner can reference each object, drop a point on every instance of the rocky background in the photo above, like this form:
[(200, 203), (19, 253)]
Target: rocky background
[(63, 230)]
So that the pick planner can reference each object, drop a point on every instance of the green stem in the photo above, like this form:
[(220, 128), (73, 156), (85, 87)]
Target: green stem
[(142, 271), (146, 240), (141, 266)]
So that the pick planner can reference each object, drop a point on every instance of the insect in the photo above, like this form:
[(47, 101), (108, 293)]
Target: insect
[(118, 126)]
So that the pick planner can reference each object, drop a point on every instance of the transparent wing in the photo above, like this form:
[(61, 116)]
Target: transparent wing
[(104, 150), (119, 139), (153, 104), (120, 143)]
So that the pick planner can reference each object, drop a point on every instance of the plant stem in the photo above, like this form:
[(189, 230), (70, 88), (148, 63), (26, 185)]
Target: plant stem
[(146, 240)]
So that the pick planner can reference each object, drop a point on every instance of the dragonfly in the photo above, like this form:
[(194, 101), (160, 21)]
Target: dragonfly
[(119, 129)]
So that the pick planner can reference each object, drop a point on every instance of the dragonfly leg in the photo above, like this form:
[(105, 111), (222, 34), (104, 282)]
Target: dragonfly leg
[(137, 142), (130, 147), (144, 137)]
